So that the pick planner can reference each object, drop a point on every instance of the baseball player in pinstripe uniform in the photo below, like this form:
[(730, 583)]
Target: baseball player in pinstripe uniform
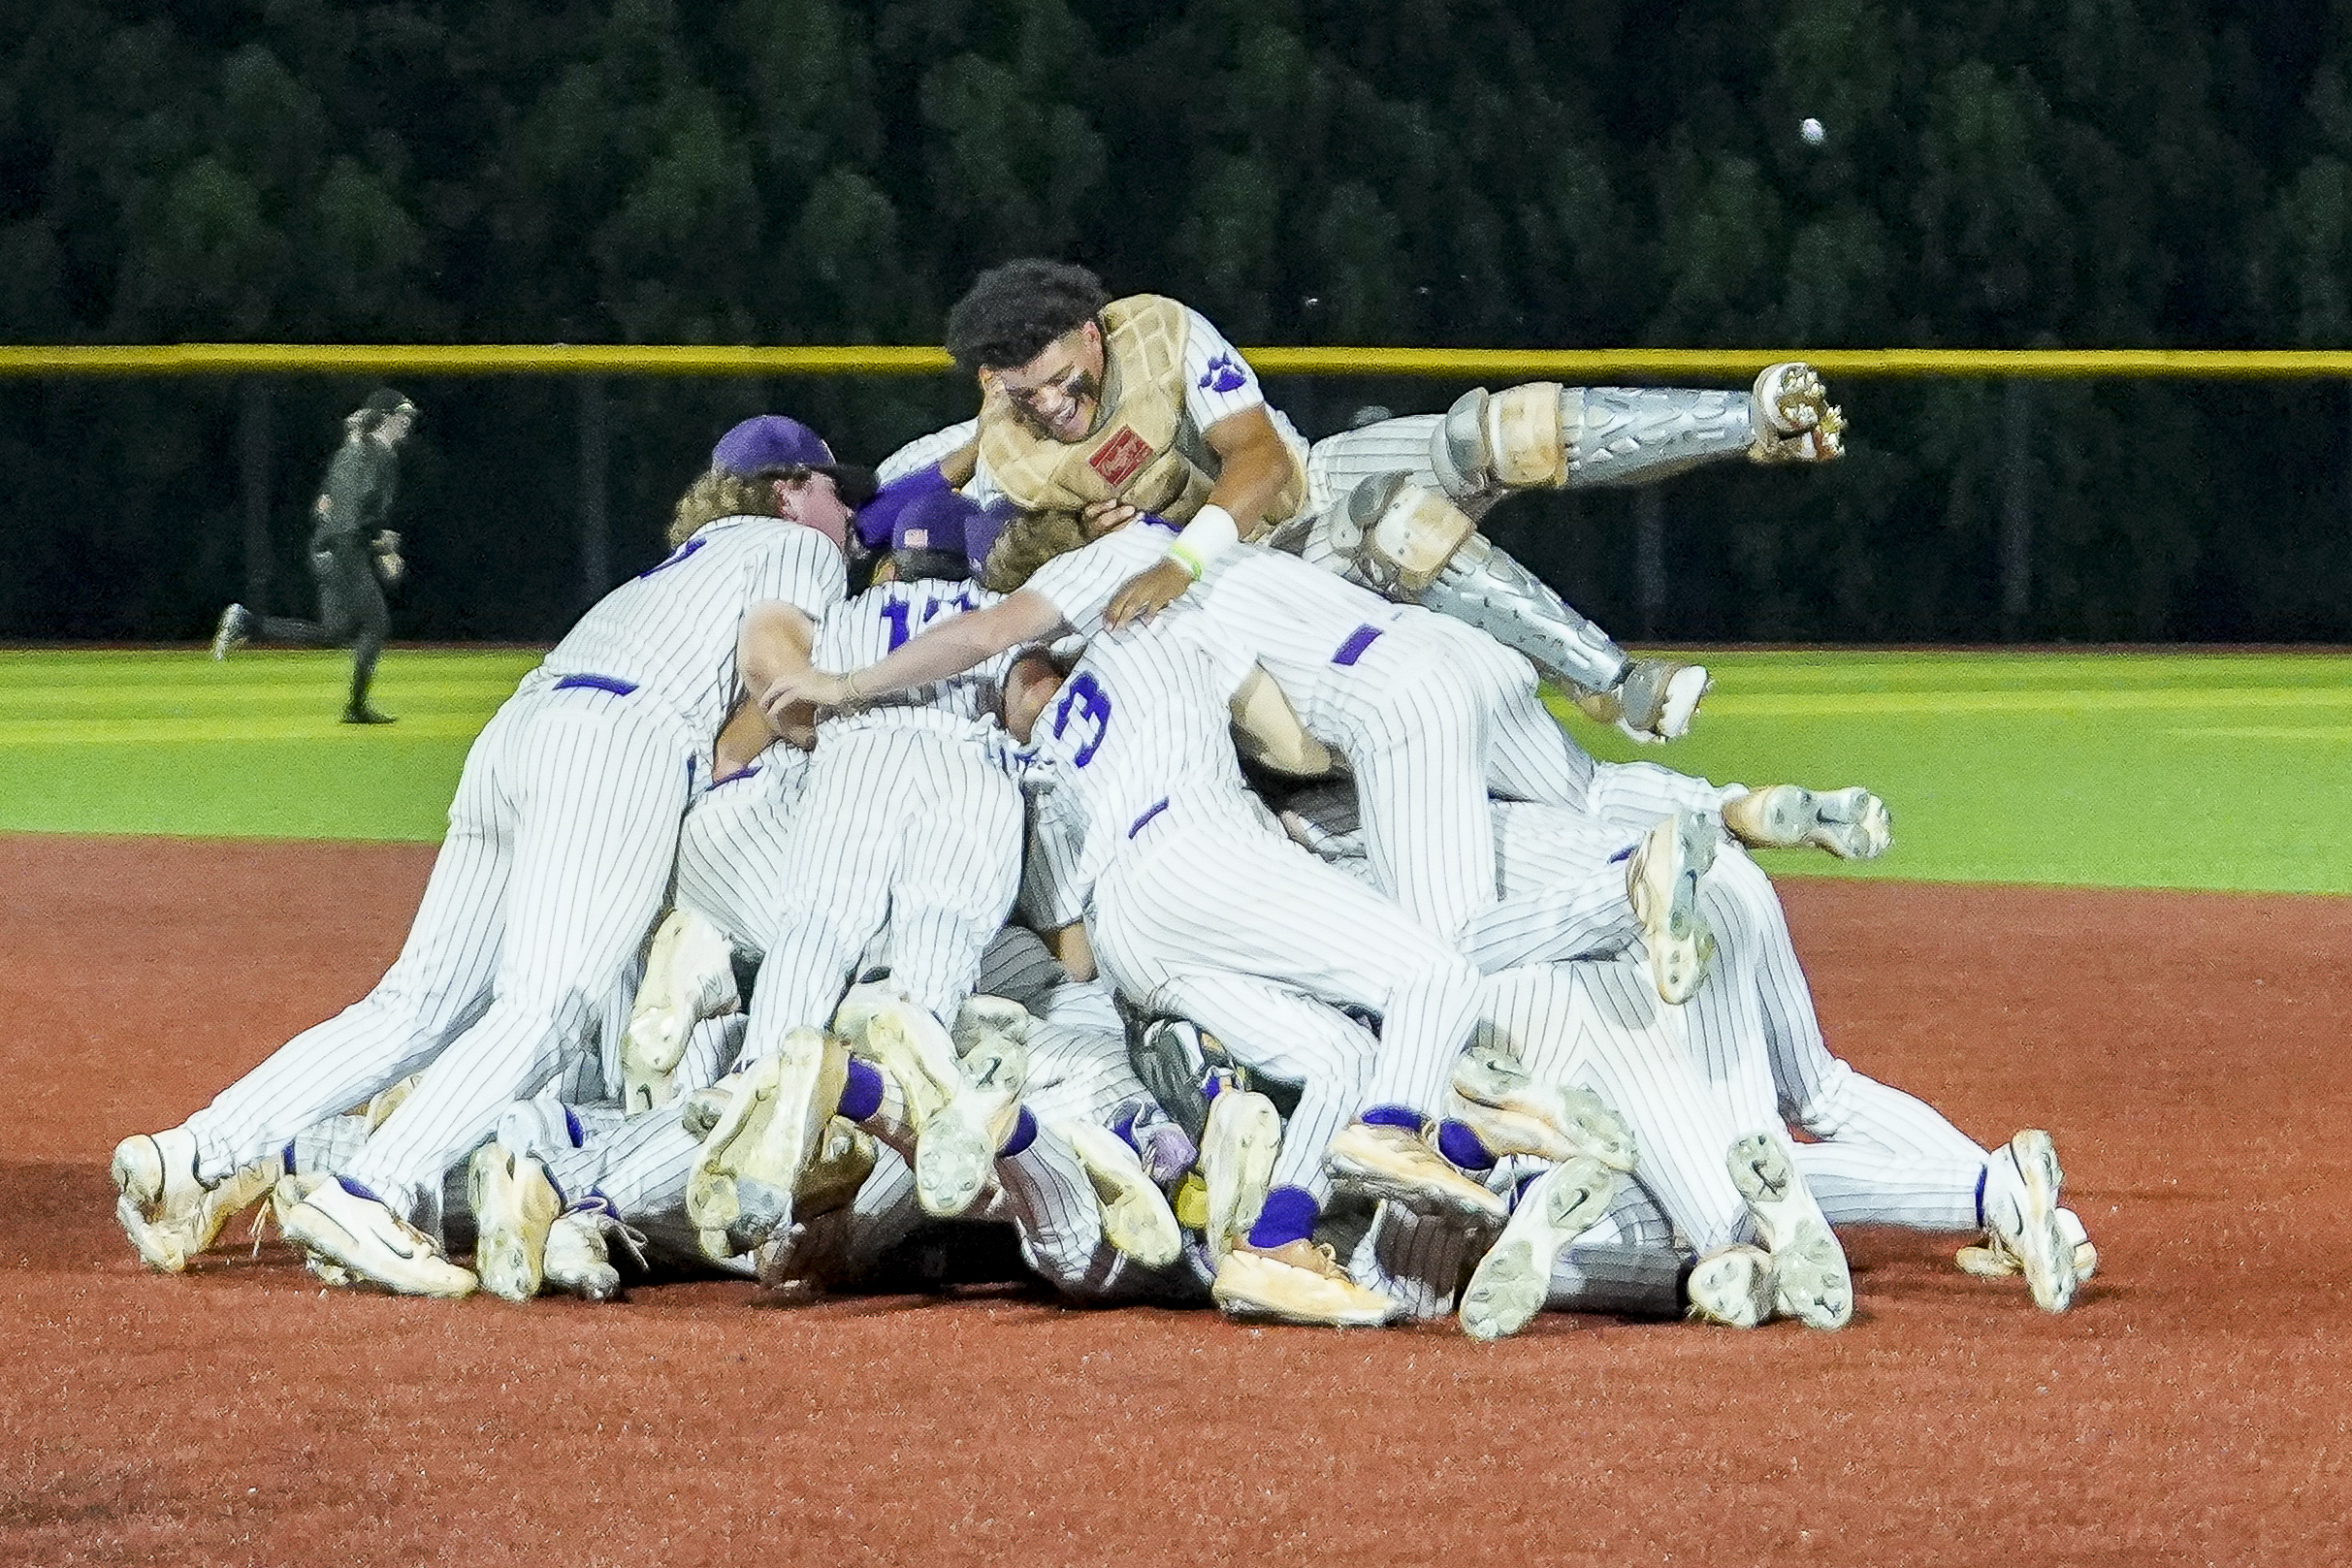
[(1140, 405), (561, 837), (1066, 1176), (1429, 714), (1880, 1156), (906, 829), (907, 820), (1197, 907)]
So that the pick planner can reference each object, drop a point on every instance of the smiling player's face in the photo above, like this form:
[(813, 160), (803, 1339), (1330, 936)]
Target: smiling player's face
[(1059, 391)]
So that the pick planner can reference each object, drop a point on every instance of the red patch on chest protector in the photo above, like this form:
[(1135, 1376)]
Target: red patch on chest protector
[(1118, 459)]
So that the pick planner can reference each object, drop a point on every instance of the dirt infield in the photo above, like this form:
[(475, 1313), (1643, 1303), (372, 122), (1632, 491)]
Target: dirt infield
[(2192, 1408)]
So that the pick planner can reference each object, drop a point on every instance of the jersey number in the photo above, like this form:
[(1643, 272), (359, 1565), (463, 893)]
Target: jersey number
[(1084, 700), (898, 612)]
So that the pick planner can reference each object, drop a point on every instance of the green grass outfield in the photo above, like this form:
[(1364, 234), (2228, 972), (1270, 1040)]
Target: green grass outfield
[(2135, 770)]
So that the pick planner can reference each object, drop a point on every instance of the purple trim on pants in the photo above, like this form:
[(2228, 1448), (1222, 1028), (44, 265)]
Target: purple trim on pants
[(1392, 1116)]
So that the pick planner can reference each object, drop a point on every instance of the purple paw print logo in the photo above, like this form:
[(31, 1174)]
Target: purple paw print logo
[(1224, 374)]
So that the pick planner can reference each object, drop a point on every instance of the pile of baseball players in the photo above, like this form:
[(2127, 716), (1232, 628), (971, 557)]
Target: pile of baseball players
[(1168, 858)]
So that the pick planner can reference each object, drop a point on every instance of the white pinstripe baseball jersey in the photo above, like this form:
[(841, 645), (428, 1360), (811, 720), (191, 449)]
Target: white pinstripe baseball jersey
[(857, 632), (1195, 886), (561, 839), (908, 822), (672, 630), (1140, 725)]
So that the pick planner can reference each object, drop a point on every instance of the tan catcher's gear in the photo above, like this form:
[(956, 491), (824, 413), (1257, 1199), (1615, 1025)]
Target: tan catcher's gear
[(1137, 452)]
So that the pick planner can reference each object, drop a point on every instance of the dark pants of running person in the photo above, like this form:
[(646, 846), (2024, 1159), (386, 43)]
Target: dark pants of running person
[(351, 612)]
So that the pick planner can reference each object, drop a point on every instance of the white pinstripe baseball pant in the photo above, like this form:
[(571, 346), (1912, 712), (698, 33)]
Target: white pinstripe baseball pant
[(1885, 1157), (731, 844), (1211, 915), (903, 825), (561, 839)]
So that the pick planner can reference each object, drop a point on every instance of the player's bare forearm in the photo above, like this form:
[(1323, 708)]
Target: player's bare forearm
[(1256, 463), (944, 649)]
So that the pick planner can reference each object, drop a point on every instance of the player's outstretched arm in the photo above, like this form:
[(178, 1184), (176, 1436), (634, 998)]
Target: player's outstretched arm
[(943, 649), (1255, 465)]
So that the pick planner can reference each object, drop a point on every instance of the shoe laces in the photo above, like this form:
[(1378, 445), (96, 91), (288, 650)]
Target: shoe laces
[(600, 1210)]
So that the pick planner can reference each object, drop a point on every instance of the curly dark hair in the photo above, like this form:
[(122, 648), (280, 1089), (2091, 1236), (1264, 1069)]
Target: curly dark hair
[(1012, 312)]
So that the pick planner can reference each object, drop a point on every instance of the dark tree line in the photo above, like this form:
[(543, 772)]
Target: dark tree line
[(1995, 174)]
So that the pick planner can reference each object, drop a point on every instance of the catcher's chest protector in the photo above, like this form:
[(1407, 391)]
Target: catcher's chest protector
[(1134, 456)]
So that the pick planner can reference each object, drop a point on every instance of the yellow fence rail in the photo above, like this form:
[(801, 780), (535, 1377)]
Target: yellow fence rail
[(1574, 365)]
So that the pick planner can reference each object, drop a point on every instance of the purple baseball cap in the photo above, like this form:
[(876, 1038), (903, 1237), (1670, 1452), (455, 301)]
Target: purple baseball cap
[(779, 441), (981, 532), (942, 520)]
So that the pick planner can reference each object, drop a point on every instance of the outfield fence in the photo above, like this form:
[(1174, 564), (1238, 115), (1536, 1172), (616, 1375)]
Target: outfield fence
[(2021, 495)]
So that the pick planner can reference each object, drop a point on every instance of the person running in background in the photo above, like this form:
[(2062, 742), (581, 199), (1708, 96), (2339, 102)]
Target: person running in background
[(350, 551)]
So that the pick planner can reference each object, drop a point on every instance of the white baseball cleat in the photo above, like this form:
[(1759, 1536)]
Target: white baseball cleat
[(514, 1206), (1237, 1150), (812, 1252), (1513, 1112), (1851, 824), (1991, 1257), (387, 1099), (157, 1196), (1512, 1281), (1395, 1163), (2021, 1183), (291, 1189), (578, 1258), (167, 1213), (1661, 885), (690, 975), (1136, 1217), (1656, 700), (858, 1005), (955, 1153), (1732, 1286), (980, 1014), (911, 1046), (1298, 1282), (751, 1160), (1811, 1282), (363, 1244)]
